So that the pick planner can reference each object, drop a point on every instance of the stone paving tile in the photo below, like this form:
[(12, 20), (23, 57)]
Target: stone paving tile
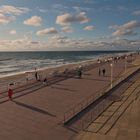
[(127, 127), (94, 127), (119, 137), (113, 132), (101, 119), (107, 113)]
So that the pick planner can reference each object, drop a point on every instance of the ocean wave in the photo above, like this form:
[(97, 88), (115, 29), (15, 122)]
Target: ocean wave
[(21, 62), (5, 59), (6, 71)]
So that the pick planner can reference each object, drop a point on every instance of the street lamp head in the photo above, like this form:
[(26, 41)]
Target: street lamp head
[(111, 65)]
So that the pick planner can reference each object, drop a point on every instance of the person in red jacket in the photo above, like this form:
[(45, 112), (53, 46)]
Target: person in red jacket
[(10, 93)]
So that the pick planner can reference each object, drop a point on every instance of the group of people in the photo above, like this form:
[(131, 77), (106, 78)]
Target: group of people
[(102, 71), (45, 80)]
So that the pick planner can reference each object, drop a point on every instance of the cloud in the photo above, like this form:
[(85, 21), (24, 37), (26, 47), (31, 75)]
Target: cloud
[(123, 32), (43, 10), (131, 25), (122, 8), (33, 21), (125, 29), (46, 31), (65, 43), (13, 32), (8, 9), (67, 19), (8, 13), (59, 42), (90, 1), (6, 19), (136, 13), (89, 28), (67, 29), (80, 9)]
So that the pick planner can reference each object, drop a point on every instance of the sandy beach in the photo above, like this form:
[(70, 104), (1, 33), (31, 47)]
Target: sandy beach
[(47, 72)]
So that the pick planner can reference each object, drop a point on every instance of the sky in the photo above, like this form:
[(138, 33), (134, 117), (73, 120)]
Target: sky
[(61, 25)]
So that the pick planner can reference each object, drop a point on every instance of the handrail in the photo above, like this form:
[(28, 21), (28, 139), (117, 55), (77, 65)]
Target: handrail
[(86, 102)]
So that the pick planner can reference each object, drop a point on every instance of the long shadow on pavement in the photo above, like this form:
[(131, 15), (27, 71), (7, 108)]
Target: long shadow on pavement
[(60, 88), (34, 108), (95, 79)]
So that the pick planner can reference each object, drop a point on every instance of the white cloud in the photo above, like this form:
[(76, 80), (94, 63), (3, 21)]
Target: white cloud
[(125, 29), (8, 9), (114, 27), (131, 25), (123, 32), (13, 32), (33, 21), (67, 19), (6, 19), (46, 31), (89, 28), (64, 43), (136, 13), (67, 29), (8, 13)]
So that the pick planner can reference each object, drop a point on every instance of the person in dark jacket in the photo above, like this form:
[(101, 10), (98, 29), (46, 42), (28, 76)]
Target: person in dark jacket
[(104, 71)]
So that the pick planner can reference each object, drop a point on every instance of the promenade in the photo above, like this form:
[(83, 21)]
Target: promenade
[(120, 121), (39, 114)]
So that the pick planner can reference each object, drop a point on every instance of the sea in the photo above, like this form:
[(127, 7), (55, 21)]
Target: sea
[(18, 62)]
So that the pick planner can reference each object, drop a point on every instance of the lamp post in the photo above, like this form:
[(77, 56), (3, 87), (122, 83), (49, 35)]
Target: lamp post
[(111, 67)]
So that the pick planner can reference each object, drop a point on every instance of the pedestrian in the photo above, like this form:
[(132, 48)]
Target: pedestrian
[(45, 81), (98, 61), (104, 71), (99, 72), (10, 93), (36, 75), (79, 73)]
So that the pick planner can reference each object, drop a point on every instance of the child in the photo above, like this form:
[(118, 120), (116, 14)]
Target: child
[(10, 93)]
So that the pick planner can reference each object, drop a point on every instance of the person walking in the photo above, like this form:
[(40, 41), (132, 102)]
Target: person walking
[(10, 93), (80, 73), (104, 71), (36, 75)]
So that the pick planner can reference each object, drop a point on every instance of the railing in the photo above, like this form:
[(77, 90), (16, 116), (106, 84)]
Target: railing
[(94, 114), (99, 109), (89, 100)]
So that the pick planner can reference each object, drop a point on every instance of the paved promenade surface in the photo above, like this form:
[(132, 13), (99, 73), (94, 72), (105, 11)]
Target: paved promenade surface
[(39, 114), (120, 121), (123, 125)]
